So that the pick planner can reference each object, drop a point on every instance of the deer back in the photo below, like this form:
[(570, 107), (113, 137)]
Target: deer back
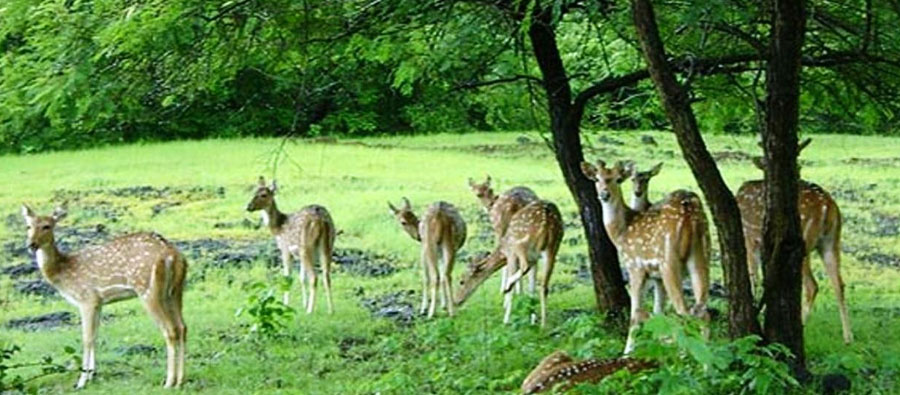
[(676, 222), (442, 223), (819, 214), (561, 372), (308, 227), (121, 268), (508, 204), (539, 225)]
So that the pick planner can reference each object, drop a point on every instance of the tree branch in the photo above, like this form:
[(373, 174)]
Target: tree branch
[(505, 80)]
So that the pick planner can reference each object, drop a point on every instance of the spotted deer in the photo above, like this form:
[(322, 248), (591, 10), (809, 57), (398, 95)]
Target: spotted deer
[(820, 222), (536, 228), (669, 238), (307, 235), (442, 229), (559, 372), (500, 210), (143, 265)]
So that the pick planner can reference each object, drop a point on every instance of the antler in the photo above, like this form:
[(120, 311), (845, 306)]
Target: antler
[(560, 369)]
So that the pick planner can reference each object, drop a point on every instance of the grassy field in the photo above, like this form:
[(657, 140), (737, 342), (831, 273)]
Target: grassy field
[(195, 193)]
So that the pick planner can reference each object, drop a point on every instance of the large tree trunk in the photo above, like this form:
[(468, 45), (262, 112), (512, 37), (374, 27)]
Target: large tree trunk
[(726, 216), (609, 287), (783, 249)]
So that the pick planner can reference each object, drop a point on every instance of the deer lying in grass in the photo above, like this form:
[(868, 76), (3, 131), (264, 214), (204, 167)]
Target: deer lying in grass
[(559, 372), (669, 238), (537, 228), (141, 264), (820, 222), (443, 230), (500, 209), (307, 234)]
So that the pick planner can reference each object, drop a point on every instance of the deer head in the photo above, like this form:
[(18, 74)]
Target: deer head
[(407, 219), (264, 196), (483, 191), (760, 161), (40, 228), (606, 180), (478, 271), (641, 179)]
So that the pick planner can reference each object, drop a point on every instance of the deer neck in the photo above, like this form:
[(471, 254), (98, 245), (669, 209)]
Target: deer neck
[(639, 202), (50, 260), (615, 217), (418, 235), (273, 218)]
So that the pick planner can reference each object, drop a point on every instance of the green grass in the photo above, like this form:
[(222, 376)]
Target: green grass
[(473, 353)]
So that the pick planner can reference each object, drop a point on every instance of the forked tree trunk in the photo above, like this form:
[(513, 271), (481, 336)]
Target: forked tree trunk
[(565, 119), (722, 204), (783, 247)]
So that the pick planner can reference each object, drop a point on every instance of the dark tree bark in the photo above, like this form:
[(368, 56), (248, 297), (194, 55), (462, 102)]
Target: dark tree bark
[(565, 120), (783, 247), (726, 216)]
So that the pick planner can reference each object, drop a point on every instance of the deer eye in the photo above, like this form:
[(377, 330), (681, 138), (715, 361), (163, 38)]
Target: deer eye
[(45, 227)]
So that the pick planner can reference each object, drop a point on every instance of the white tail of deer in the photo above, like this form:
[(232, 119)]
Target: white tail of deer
[(500, 209), (141, 264), (307, 235), (537, 228), (666, 240), (442, 230), (820, 222)]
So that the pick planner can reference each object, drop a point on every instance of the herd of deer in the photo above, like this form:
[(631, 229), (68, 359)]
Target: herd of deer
[(658, 242)]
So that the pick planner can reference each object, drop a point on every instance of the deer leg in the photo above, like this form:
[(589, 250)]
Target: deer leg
[(636, 285), (432, 280), (549, 263), (155, 304), (831, 255), (511, 258), (447, 276), (752, 264), (286, 271), (90, 320), (424, 259), (325, 262), (307, 258), (810, 289), (659, 296), (698, 267), (671, 277)]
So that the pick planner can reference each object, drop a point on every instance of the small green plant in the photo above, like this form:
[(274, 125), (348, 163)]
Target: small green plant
[(267, 313), (45, 367)]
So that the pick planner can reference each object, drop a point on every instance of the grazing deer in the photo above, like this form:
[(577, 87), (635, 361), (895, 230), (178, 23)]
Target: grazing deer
[(500, 209), (820, 222), (558, 371), (669, 238), (537, 228), (141, 264), (307, 235), (441, 229)]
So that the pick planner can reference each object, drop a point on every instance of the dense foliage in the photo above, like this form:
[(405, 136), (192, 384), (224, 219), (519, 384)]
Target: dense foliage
[(80, 72)]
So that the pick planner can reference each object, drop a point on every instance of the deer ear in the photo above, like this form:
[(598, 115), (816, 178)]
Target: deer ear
[(655, 170), (274, 186), (759, 163), (471, 183), (261, 182), (589, 170), (27, 212), (59, 213), (487, 179), (406, 205), (394, 210)]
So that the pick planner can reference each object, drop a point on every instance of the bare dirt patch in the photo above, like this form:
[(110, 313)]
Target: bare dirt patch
[(41, 322), (396, 306), (731, 156)]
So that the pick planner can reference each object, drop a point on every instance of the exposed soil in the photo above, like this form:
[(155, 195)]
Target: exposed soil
[(881, 259), (360, 263), (144, 192), (734, 156), (21, 270), (36, 287), (606, 140), (885, 225), (41, 322), (873, 161), (396, 306)]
